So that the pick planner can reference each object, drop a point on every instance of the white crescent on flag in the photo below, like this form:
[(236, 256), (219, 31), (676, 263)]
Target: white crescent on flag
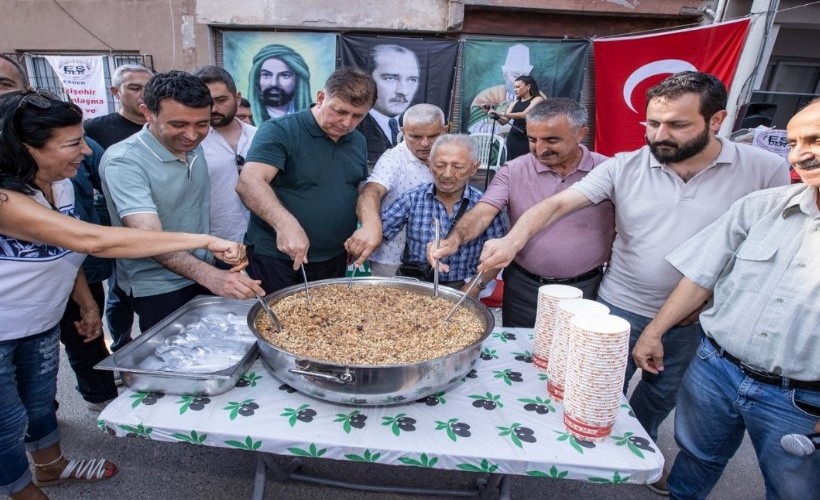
[(662, 67)]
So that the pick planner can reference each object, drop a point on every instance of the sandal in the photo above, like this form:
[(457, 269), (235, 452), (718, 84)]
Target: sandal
[(87, 470)]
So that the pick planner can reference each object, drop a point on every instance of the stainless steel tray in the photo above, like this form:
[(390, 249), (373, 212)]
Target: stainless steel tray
[(129, 359)]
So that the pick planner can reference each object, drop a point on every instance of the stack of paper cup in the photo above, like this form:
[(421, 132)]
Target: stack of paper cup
[(598, 349), (565, 311), (548, 298)]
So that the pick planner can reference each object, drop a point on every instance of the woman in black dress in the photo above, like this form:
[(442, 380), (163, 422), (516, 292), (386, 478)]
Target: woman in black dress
[(528, 95)]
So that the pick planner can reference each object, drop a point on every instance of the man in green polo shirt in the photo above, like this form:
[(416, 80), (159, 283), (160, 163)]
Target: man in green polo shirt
[(157, 179), (300, 182)]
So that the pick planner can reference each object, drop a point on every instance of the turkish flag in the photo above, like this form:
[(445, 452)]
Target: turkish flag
[(625, 68)]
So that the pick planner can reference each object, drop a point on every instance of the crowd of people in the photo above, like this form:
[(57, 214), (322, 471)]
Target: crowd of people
[(698, 242)]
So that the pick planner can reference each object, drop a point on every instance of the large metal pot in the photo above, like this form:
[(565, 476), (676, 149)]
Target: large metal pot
[(369, 385)]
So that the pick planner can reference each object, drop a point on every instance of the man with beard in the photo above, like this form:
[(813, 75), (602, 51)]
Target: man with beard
[(574, 250), (396, 72), (757, 367), (279, 83), (225, 147), (680, 182)]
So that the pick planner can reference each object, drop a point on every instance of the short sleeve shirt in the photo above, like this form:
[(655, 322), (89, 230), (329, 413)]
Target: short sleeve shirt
[(761, 259), (655, 212), (399, 171), (140, 176), (229, 217), (317, 183), (573, 245)]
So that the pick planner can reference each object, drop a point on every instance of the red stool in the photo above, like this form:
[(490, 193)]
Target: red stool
[(496, 298)]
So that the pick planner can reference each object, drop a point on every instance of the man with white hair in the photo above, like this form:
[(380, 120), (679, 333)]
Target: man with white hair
[(453, 162), (398, 170), (127, 84)]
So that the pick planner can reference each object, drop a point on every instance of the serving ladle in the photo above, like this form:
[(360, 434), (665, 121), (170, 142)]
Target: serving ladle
[(437, 232), (307, 294), (267, 309), (463, 297)]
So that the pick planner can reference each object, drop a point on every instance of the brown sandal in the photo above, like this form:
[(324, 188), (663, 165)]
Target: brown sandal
[(86, 470)]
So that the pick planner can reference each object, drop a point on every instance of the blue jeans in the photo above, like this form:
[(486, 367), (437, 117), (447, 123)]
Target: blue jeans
[(118, 314), (654, 396), (716, 404), (28, 420)]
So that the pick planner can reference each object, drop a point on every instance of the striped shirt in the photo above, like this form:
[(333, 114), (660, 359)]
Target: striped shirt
[(418, 208)]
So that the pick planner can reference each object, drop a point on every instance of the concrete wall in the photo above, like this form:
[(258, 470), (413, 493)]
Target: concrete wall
[(389, 15), (165, 29)]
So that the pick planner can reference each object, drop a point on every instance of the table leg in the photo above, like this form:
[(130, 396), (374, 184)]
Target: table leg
[(489, 486)]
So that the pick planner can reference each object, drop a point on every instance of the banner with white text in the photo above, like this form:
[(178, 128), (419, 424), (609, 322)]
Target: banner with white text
[(83, 80)]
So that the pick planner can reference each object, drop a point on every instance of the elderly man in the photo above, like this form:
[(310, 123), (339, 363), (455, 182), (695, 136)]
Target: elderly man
[(225, 147), (279, 83), (300, 182), (575, 249), (127, 86), (396, 72), (453, 162), (665, 192), (398, 170), (158, 180), (757, 366)]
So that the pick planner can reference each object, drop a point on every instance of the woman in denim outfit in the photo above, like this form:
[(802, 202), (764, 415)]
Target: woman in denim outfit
[(41, 146)]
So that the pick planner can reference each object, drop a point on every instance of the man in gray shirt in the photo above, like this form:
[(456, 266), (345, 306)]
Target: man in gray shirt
[(667, 191), (757, 367)]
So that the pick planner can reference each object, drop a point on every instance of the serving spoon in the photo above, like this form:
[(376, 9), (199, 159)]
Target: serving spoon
[(463, 297), (266, 307), (307, 294)]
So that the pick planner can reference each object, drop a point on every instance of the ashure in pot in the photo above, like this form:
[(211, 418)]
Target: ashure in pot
[(394, 366)]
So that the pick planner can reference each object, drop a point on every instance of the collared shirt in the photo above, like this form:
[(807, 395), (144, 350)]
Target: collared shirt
[(384, 123), (655, 212), (140, 176), (762, 259), (418, 208), (318, 183), (575, 244), (228, 216), (399, 171)]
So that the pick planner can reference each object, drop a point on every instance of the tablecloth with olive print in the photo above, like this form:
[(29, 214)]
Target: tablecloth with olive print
[(499, 419)]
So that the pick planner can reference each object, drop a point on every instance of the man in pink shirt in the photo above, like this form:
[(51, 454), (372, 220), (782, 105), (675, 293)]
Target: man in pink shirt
[(574, 249)]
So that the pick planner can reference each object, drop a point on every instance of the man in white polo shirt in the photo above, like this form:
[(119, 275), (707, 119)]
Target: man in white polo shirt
[(680, 182)]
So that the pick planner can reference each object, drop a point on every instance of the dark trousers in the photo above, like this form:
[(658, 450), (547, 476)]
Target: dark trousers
[(154, 308), (95, 386), (118, 313), (277, 274), (521, 297)]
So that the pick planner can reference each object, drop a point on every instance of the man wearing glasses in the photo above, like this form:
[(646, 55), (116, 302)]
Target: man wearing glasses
[(225, 147)]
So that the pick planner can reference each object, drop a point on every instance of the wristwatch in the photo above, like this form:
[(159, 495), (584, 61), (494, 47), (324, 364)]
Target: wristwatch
[(481, 285)]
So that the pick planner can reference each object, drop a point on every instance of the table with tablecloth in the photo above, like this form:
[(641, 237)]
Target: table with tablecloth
[(498, 419)]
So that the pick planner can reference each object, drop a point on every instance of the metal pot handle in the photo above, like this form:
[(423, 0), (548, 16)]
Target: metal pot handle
[(345, 377)]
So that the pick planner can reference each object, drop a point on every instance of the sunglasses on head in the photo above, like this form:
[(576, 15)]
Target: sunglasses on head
[(40, 98)]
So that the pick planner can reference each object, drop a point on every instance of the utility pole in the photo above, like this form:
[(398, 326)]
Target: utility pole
[(750, 64)]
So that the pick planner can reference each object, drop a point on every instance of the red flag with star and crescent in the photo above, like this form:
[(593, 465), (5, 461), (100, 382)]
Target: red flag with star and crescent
[(626, 67)]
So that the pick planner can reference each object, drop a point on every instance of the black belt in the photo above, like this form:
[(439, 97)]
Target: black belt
[(761, 376), (557, 281)]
